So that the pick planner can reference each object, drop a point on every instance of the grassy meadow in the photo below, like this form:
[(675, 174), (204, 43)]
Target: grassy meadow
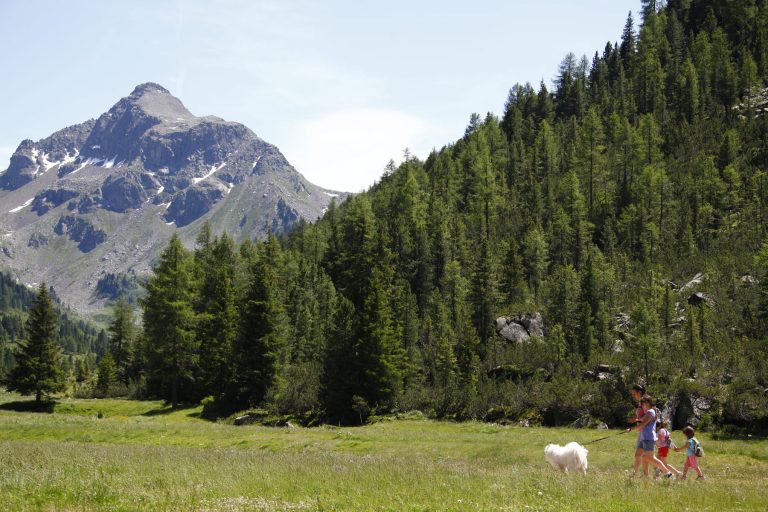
[(143, 456)]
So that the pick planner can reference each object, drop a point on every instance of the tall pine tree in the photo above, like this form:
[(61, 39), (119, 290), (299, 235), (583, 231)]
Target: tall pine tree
[(38, 366), (171, 348)]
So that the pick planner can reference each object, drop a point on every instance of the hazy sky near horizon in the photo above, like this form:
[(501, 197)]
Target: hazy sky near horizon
[(339, 86)]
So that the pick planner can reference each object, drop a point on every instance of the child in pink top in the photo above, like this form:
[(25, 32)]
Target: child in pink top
[(663, 442)]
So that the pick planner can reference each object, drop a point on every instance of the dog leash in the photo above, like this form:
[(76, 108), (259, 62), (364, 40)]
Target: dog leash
[(603, 438)]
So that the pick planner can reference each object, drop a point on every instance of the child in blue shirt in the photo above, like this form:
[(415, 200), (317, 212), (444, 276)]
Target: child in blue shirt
[(690, 454)]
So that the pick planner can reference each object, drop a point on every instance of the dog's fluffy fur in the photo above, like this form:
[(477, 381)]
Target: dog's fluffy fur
[(571, 457)]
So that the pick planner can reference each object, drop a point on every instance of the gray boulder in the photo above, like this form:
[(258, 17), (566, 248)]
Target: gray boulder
[(584, 422), (514, 332), (685, 409), (694, 282), (247, 419), (533, 323), (748, 280), (251, 417), (520, 328)]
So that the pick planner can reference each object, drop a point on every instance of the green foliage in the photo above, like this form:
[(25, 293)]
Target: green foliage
[(170, 345), (107, 375), (592, 204), (261, 342), (38, 367), (216, 312), (122, 340)]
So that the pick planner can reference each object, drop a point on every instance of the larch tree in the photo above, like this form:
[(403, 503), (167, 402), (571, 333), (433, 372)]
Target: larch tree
[(260, 345), (171, 348)]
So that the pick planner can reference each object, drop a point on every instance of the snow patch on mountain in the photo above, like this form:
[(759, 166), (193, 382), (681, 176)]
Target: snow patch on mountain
[(214, 169), (19, 208)]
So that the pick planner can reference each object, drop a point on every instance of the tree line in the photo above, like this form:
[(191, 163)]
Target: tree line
[(595, 204)]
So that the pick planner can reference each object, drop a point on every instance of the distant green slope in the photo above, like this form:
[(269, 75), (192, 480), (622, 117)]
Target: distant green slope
[(76, 336)]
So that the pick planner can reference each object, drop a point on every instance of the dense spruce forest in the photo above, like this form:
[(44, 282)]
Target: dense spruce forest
[(627, 206), (81, 342)]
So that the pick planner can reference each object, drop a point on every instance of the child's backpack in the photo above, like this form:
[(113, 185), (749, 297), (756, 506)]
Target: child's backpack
[(697, 449)]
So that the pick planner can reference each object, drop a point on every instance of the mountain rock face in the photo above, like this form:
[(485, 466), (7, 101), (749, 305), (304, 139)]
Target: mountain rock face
[(100, 200)]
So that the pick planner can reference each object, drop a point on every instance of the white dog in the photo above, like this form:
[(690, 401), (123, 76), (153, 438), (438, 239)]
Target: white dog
[(571, 457)]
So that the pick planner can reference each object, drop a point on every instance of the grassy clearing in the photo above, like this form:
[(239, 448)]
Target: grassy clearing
[(142, 456)]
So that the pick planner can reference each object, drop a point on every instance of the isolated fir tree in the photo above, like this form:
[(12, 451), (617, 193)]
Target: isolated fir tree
[(38, 366)]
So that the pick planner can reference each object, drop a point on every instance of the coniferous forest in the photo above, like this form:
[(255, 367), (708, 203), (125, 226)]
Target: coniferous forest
[(627, 205), (81, 342)]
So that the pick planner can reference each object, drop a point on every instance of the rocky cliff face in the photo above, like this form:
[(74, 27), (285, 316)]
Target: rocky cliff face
[(103, 197)]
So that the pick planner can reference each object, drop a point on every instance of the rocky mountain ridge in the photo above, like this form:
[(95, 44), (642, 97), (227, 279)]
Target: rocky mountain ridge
[(99, 200)]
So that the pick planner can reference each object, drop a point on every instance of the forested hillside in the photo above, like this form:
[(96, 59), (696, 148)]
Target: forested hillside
[(627, 206), (75, 336)]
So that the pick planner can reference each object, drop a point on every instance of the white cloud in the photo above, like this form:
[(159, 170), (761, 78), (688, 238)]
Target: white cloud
[(347, 150)]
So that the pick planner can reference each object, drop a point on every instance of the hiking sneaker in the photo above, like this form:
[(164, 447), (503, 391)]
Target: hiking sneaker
[(700, 477)]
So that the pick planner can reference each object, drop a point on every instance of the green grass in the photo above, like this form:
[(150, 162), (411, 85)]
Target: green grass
[(143, 456)]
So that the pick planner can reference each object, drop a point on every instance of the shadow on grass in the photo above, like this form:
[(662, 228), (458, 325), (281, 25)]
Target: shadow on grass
[(167, 409), (28, 406)]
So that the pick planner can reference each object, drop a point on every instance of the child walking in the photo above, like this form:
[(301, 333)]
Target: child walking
[(663, 442), (690, 454), (648, 439)]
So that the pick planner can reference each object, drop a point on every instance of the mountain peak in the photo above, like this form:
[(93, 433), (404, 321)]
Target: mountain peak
[(146, 87), (96, 203), (154, 100)]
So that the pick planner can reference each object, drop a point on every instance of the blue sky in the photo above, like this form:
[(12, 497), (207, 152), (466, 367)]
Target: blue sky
[(339, 87)]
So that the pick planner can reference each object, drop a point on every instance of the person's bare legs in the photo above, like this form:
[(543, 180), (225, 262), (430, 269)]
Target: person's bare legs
[(695, 468), (685, 469), (666, 464), (638, 459), (651, 459)]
